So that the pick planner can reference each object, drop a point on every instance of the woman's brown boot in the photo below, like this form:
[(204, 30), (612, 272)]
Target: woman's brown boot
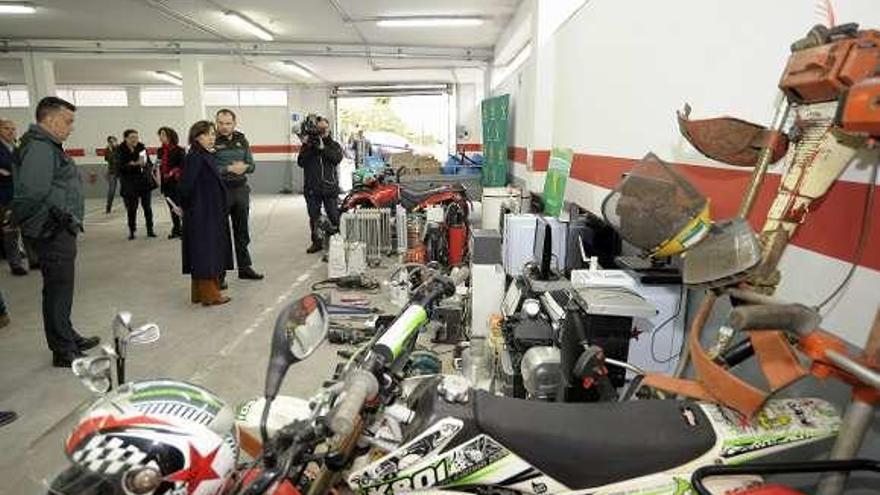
[(195, 294), (211, 295)]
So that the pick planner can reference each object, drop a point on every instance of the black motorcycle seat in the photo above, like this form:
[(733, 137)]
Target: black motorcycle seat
[(416, 197), (590, 445)]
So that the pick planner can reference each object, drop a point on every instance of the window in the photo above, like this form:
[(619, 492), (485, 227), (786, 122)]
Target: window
[(162, 96), (14, 97), (245, 97), (94, 96), (221, 97)]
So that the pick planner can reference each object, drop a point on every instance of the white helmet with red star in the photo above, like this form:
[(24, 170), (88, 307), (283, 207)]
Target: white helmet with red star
[(151, 438)]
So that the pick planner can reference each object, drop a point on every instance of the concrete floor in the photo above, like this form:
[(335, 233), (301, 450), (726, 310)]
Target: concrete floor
[(223, 348)]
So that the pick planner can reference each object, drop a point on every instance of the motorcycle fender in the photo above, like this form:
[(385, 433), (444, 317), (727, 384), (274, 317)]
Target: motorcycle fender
[(284, 411), (781, 425), (358, 199)]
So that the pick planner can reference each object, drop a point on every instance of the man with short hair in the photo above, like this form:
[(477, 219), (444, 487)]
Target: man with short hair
[(48, 204), (112, 160), (233, 154), (11, 235), (361, 147)]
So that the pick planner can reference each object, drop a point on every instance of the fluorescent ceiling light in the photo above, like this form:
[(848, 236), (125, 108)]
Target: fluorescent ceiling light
[(429, 21), (169, 77), (381, 87), (16, 8), (248, 25), (298, 69)]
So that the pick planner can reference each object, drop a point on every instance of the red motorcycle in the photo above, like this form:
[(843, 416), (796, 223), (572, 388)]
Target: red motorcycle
[(377, 192)]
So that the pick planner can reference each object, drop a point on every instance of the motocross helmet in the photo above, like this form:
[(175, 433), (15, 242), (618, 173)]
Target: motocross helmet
[(149, 438)]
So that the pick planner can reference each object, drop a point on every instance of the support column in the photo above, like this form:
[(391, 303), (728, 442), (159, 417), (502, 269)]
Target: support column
[(193, 90), (543, 51), (39, 75)]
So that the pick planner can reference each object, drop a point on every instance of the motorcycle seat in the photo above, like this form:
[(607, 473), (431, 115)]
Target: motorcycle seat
[(412, 198), (590, 445)]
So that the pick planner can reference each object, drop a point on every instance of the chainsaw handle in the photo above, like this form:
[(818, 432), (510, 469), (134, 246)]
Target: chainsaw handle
[(792, 318)]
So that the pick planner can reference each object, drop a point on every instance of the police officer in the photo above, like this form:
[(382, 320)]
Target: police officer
[(233, 154), (48, 204)]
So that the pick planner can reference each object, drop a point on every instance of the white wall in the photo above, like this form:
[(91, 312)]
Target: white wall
[(468, 112), (621, 68)]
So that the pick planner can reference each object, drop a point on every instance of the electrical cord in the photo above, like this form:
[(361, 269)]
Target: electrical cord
[(354, 282), (660, 327), (863, 237)]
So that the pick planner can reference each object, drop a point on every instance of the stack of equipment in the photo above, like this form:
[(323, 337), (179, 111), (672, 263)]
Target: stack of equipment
[(372, 227)]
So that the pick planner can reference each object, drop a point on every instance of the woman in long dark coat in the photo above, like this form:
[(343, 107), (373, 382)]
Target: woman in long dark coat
[(207, 244)]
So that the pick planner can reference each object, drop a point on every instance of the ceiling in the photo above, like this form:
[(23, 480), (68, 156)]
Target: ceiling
[(319, 22)]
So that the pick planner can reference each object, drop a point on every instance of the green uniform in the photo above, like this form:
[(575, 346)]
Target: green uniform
[(228, 150), (48, 187)]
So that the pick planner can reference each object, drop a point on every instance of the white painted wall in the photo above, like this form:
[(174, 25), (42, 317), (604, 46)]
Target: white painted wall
[(620, 70)]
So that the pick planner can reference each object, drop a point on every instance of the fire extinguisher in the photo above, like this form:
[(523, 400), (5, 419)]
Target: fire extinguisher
[(456, 234)]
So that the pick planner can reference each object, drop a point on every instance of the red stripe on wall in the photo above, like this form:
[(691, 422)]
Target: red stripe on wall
[(461, 147), (540, 160), (75, 152), (518, 154), (274, 148), (255, 148), (831, 228)]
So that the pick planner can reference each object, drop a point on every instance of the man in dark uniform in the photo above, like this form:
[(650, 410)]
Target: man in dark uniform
[(11, 235), (319, 159), (233, 154), (48, 205)]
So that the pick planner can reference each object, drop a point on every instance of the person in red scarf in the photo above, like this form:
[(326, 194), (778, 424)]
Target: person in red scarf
[(171, 156)]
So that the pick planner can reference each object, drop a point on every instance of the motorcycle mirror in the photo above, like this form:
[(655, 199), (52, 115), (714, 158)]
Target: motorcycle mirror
[(121, 324), (145, 334), (300, 329), (94, 373)]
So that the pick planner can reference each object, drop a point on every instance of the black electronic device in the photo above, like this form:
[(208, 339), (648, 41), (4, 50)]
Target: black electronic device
[(544, 248)]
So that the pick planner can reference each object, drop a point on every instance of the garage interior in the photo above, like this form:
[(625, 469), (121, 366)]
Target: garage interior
[(584, 245)]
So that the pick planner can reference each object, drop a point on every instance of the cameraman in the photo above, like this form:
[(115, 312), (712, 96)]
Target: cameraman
[(319, 158)]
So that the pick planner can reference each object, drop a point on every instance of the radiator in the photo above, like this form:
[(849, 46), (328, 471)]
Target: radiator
[(400, 225), (370, 226)]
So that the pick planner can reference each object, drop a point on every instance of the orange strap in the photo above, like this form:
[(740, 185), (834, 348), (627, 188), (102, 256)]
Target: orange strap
[(715, 383)]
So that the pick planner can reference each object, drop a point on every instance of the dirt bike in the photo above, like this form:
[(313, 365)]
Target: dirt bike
[(387, 192), (371, 431)]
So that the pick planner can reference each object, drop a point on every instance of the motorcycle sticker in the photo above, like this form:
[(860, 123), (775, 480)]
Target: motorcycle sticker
[(478, 460), (434, 439), (782, 421)]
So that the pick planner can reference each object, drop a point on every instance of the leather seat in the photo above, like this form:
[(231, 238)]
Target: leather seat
[(590, 445), (411, 198)]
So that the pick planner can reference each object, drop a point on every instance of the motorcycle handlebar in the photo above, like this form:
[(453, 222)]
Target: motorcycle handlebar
[(360, 386), (792, 318)]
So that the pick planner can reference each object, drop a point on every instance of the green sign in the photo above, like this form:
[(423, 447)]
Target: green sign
[(556, 179), (495, 117)]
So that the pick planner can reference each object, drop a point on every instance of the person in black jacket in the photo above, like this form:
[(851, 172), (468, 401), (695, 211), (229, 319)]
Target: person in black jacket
[(170, 156), (136, 172), (319, 164), (207, 243)]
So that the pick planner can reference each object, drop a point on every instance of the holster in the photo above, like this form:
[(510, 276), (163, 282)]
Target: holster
[(730, 140)]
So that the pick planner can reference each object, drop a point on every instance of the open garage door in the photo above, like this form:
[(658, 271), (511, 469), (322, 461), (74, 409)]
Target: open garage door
[(398, 118)]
